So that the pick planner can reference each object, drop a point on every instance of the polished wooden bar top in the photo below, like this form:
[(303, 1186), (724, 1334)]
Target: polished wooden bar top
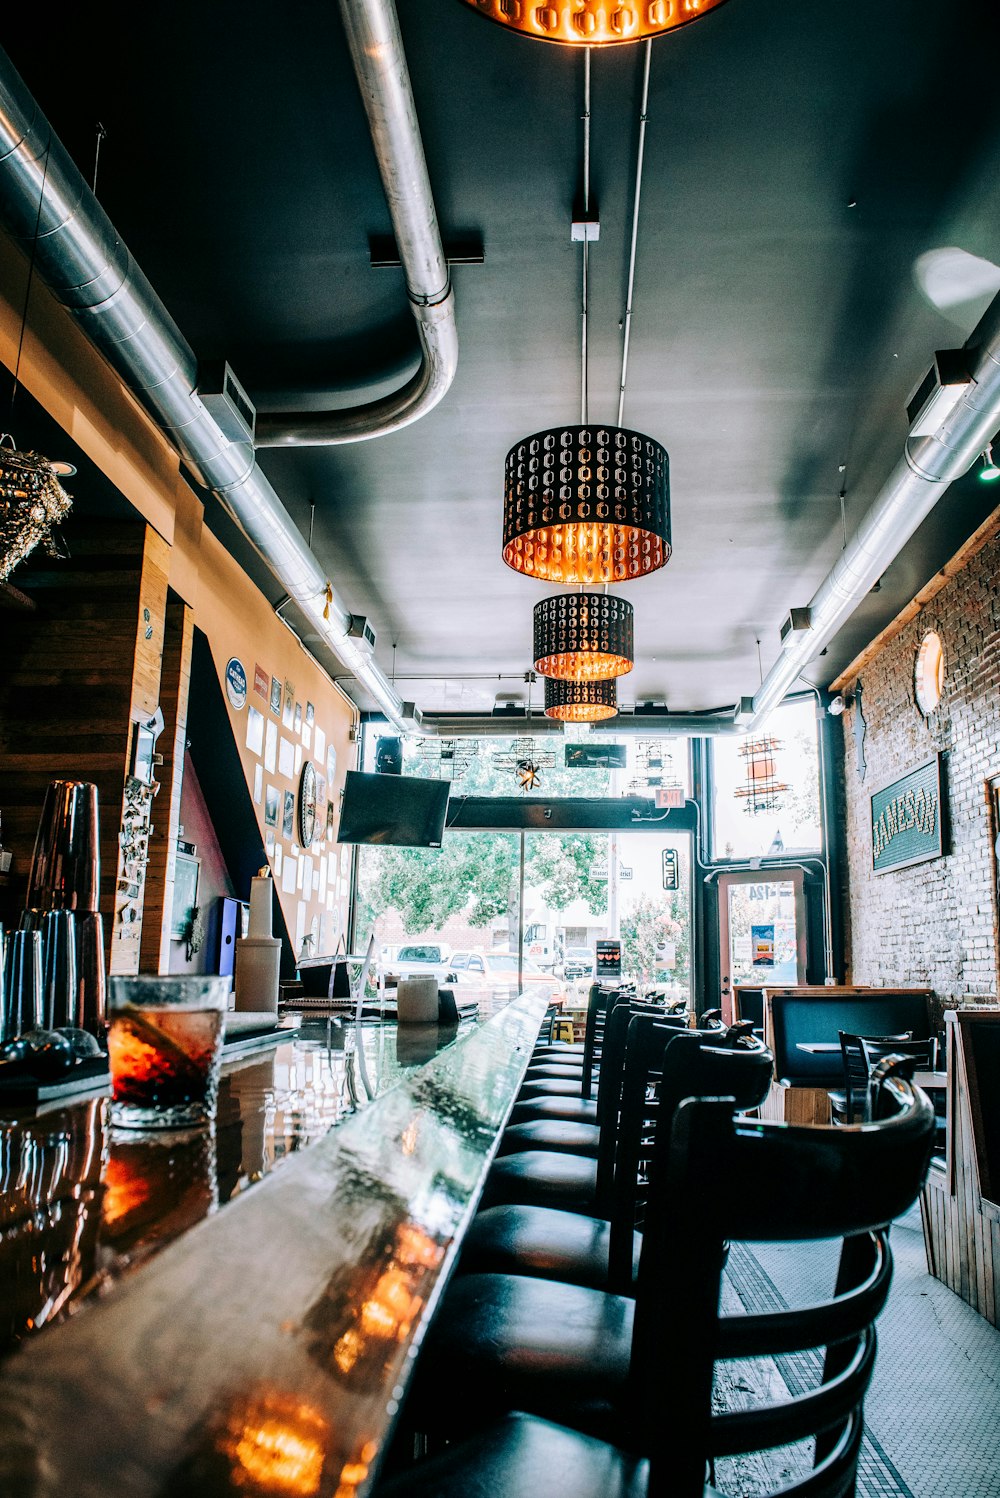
[(267, 1351)]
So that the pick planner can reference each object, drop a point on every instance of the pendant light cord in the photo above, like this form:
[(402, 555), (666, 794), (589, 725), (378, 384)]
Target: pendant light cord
[(584, 373), (27, 288), (640, 152)]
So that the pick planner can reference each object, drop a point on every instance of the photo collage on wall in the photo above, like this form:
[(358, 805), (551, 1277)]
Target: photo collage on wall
[(282, 735)]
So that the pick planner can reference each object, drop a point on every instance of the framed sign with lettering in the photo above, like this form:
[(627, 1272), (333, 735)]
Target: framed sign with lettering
[(906, 819)]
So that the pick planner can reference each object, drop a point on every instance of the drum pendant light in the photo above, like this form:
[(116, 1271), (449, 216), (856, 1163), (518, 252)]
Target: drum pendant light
[(586, 505), (583, 637), (593, 23), (581, 701)]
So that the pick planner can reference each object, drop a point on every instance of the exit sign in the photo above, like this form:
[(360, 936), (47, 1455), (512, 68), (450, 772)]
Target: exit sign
[(671, 870)]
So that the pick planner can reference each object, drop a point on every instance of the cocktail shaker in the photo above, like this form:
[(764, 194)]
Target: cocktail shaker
[(66, 865)]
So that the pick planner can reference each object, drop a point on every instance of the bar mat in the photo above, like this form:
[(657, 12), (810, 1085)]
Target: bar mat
[(87, 1075)]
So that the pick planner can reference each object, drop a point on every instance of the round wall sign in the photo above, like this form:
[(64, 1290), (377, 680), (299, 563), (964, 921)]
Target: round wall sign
[(236, 683), (928, 672), (307, 804)]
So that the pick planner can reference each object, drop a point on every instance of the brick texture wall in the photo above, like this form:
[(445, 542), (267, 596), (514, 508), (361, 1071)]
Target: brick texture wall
[(936, 922)]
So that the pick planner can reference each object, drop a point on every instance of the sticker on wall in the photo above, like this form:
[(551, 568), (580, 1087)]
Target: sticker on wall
[(288, 815), (762, 946), (278, 856), (270, 746), (298, 759), (310, 714), (258, 783), (255, 731), (288, 872), (286, 758), (307, 736), (236, 683), (269, 844), (331, 765), (331, 822), (319, 744), (298, 717), (271, 803), (288, 711), (300, 873), (276, 696), (261, 681)]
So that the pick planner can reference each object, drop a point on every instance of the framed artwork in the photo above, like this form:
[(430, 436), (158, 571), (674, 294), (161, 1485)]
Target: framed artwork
[(185, 901), (276, 696), (288, 815)]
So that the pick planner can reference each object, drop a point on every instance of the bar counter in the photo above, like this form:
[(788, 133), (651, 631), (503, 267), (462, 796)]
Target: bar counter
[(276, 1336)]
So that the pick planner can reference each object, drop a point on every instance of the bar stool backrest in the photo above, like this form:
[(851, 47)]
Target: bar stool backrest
[(730, 1179), (661, 1069)]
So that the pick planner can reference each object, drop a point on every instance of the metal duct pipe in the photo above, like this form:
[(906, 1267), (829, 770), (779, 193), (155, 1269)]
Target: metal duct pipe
[(922, 475), (88, 268), (652, 725), (372, 28)]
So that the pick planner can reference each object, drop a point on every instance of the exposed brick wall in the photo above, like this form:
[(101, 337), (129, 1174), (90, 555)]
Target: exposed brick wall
[(934, 923)]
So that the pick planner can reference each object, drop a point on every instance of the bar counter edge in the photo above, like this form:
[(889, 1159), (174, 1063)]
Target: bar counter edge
[(277, 1336)]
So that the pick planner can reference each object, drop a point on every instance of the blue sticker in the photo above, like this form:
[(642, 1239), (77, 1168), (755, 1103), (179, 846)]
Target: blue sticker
[(236, 683)]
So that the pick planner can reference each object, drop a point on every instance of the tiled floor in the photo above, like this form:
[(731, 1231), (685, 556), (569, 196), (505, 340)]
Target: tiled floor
[(933, 1410)]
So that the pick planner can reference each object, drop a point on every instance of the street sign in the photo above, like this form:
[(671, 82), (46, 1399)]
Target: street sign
[(623, 872), (671, 870)]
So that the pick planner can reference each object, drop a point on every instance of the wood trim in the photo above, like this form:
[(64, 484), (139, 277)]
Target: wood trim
[(175, 685), (956, 564)]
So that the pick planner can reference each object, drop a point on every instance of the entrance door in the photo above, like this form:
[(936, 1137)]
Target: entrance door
[(762, 931)]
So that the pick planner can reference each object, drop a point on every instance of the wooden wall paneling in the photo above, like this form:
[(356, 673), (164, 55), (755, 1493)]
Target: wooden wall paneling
[(175, 686), (66, 681)]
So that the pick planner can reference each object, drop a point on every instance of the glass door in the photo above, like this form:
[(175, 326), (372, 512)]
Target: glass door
[(762, 931)]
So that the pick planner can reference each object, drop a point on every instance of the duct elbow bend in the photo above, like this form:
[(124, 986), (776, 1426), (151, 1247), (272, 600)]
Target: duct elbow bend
[(438, 331)]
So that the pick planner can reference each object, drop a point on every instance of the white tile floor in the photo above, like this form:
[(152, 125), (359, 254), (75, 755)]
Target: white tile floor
[(933, 1410)]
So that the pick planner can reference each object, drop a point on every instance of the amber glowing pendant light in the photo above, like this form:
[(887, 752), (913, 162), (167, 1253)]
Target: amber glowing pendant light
[(581, 701), (593, 23), (583, 637)]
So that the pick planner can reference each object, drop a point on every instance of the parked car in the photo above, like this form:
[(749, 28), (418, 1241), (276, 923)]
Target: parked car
[(423, 957), (497, 971), (578, 962)]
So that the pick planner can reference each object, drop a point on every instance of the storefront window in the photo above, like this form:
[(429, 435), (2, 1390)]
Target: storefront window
[(765, 787)]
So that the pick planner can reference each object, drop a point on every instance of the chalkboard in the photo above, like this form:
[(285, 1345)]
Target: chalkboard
[(981, 1044)]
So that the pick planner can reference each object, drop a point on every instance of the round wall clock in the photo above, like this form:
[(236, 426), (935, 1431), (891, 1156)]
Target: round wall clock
[(307, 804)]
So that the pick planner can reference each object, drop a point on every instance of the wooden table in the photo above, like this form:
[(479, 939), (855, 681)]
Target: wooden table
[(285, 1324)]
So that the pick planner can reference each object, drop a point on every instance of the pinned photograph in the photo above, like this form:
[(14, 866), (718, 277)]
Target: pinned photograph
[(298, 717), (271, 803), (255, 731), (310, 714), (276, 696), (288, 712), (288, 815)]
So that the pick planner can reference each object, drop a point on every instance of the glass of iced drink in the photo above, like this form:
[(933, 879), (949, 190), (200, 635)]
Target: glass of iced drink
[(165, 1048)]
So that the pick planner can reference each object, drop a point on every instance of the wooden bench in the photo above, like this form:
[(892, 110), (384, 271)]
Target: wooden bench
[(811, 1015)]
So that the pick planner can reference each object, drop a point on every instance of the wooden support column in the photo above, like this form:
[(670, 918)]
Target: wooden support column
[(175, 685)]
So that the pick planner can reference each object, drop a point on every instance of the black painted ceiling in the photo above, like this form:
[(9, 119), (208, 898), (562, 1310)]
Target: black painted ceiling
[(800, 156)]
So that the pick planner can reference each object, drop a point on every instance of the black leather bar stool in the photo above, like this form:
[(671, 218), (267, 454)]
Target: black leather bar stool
[(642, 1372), (548, 1243)]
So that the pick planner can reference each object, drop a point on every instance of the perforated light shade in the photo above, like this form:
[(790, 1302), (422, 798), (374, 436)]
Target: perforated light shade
[(581, 701), (593, 23), (583, 636), (586, 505)]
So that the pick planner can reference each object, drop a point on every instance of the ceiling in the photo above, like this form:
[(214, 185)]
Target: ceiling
[(800, 157)]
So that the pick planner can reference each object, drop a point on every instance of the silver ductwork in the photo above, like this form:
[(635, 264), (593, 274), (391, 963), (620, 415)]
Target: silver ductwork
[(928, 466), (372, 29), (88, 268)]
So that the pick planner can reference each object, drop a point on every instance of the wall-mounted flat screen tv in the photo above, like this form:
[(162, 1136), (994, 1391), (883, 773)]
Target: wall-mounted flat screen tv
[(403, 811)]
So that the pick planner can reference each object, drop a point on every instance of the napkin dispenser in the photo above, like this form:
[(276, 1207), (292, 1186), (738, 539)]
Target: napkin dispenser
[(417, 1000)]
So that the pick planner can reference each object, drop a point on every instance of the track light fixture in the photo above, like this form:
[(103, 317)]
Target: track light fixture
[(989, 472)]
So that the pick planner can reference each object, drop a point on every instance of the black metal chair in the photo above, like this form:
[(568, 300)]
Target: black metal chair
[(549, 1243), (850, 1105), (642, 1373)]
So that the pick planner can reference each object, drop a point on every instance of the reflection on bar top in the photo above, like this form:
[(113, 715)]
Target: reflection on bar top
[(81, 1205)]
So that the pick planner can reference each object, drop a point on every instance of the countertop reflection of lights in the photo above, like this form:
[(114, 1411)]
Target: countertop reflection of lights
[(277, 1446)]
